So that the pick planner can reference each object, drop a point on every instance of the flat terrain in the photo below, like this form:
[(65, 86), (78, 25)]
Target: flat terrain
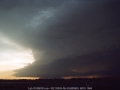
[(62, 84)]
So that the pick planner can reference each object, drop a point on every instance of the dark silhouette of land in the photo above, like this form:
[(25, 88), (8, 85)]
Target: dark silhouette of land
[(61, 84)]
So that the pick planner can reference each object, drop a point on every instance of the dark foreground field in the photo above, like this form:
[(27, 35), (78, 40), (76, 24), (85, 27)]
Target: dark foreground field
[(62, 84)]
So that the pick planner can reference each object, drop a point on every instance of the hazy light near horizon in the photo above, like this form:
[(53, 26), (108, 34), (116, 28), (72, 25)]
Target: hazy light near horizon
[(13, 60), (13, 56)]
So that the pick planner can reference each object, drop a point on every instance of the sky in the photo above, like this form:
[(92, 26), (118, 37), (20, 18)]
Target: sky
[(59, 38)]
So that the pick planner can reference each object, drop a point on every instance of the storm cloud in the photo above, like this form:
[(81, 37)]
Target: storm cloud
[(68, 38)]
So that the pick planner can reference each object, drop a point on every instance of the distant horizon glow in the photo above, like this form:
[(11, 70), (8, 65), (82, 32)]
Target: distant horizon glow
[(9, 75)]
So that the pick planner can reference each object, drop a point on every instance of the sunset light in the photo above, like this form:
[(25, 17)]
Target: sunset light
[(15, 56)]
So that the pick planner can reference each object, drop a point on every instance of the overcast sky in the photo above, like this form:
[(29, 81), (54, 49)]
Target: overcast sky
[(64, 37)]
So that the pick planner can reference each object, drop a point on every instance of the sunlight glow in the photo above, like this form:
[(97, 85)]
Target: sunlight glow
[(14, 60), (13, 56)]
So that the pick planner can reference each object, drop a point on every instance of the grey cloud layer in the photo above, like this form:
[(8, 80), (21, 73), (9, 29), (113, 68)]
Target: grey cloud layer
[(71, 35)]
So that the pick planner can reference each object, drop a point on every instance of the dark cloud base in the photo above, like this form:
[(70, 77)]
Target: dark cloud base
[(103, 63)]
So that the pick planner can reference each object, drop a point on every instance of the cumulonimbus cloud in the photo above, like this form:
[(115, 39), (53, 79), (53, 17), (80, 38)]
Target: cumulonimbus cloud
[(65, 36)]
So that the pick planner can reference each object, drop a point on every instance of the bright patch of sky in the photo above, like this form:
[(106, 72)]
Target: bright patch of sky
[(13, 56)]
